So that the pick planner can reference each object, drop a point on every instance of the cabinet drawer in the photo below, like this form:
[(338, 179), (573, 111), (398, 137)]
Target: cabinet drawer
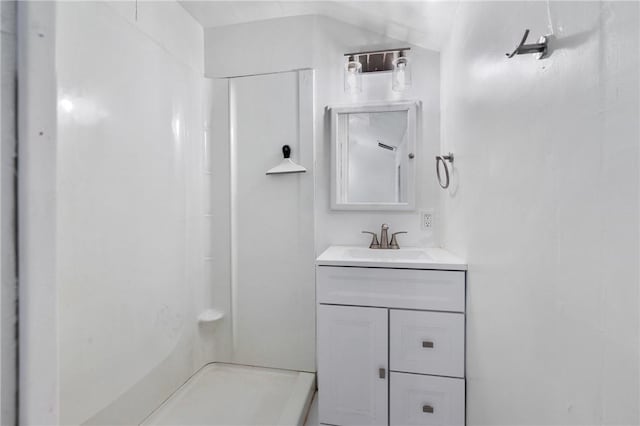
[(426, 400), (427, 342), (391, 288)]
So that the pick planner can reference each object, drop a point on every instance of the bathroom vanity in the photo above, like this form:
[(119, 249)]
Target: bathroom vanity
[(391, 337)]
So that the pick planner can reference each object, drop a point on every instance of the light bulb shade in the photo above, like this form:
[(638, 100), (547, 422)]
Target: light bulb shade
[(401, 74), (353, 76)]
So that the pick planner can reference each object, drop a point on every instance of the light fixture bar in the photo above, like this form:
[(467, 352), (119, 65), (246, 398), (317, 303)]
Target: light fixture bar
[(371, 52), (376, 60)]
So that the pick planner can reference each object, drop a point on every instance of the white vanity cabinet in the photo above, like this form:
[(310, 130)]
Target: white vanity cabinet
[(391, 343)]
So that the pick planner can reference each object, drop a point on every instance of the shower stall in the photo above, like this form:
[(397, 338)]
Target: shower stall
[(157, 258)]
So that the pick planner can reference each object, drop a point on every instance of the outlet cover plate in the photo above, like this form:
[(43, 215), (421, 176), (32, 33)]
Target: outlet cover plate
[(426, 219)]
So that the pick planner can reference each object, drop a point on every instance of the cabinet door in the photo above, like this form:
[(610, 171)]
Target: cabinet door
[(352, 365)]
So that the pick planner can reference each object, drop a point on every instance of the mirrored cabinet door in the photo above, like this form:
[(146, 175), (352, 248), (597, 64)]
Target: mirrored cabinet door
[(373, 153)]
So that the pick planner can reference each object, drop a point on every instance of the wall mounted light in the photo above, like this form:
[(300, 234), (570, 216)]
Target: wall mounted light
[(401, 74), (353, 76), (359, 63)]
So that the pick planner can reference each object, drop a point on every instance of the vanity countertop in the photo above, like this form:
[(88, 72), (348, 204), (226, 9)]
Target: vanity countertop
[(409, 258)]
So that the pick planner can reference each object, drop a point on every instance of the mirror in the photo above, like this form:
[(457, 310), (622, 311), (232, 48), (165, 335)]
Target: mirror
[(373, 156)]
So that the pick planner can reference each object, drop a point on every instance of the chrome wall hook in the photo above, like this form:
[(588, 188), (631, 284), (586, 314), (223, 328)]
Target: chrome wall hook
[(443, 159), (540, 48)]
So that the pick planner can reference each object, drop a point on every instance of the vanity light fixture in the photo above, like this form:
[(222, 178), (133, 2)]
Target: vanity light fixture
[(353, 76), (359, 63), (401, 74)]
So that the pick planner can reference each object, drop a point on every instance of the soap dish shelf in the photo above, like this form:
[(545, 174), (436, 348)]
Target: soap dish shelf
[(210, 316)]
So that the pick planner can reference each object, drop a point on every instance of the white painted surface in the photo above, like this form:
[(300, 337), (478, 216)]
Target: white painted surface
[(409, 257), (544, 207), (409, 330), (352, 349), (222, 394), (168, 25), (391, 288), (425, 23), (108, 221), (8, 209), (38, 324), (319, 42), (272, 222), (410, 393)]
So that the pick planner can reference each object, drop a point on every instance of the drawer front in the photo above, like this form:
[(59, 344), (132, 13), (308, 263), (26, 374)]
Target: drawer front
[(426, 400), (391, 288), (427, 342)]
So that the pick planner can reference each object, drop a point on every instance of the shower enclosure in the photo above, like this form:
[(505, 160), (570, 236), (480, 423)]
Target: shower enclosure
[(145, 204)]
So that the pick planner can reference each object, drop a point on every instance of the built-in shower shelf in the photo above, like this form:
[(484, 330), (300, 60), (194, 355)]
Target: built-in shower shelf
[(210, 316)]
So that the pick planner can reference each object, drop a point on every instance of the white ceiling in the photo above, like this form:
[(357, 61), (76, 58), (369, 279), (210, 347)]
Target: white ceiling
[(423, 23)]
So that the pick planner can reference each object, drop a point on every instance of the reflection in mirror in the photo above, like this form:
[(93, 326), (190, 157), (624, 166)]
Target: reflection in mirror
[(376, 158), (373, 150)]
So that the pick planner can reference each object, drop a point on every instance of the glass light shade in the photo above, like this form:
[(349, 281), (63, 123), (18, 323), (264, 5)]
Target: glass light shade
[(401, 74), (353, 76)]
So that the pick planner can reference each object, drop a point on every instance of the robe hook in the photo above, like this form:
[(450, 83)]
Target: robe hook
[(540, 47)]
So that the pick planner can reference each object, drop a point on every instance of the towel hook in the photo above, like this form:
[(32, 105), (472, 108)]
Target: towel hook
[(540, 47), (444, 159)]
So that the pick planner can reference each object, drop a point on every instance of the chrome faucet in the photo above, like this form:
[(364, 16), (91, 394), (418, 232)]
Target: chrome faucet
[(384, 239)]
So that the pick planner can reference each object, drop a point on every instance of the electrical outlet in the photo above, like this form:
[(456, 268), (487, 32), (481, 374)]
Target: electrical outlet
[(426, 220)]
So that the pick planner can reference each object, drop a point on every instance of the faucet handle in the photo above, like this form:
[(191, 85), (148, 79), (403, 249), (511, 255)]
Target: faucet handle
[(374, 241), (394, 242)]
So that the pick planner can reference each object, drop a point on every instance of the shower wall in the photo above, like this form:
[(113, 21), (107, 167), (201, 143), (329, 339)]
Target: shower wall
[(128, 209), (272, 275), (8, 278), (544, 207)]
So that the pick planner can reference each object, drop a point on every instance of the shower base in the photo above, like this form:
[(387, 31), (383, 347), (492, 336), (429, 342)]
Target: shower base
[(226, 394)]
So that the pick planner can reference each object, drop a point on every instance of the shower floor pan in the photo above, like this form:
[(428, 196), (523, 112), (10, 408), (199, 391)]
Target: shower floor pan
[(226, 394)]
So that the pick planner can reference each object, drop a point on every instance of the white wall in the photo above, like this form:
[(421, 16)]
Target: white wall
[(8, 289), (544, 207), (319, 42), (125, 208)]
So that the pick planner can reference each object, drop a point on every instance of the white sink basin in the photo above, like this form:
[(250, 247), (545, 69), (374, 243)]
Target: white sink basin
[(361, 253), (410, 257)]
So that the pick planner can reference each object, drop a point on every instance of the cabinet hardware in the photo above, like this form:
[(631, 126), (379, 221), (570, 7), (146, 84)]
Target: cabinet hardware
[(382, 373), (427, 344), (427, 409)]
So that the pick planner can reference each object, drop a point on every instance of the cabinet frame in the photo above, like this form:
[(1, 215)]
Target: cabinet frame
[(330, 294)]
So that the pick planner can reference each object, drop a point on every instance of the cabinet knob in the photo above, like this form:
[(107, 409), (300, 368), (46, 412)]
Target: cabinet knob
[(427, 344), (382, 372), (427, 409)]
